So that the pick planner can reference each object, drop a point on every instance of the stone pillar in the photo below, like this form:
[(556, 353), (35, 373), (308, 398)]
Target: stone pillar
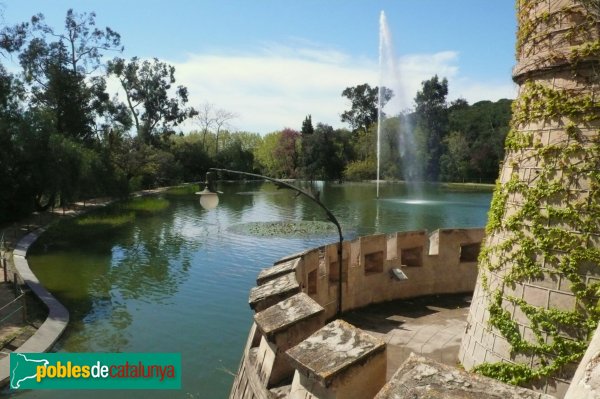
[(283, 326), (273, 291), (534, 306), (339, 361)]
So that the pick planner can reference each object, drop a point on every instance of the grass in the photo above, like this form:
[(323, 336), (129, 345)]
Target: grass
[(86, 227), (106, 220), (146, 204), (92, 226), (186, 189), (469, 186)]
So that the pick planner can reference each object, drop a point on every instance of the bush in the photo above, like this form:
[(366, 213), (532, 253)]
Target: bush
[(361, 170)]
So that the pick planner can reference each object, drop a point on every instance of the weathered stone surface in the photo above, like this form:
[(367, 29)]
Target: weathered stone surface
[(332, 349), (291, 256), (287, 313), (586, 381), (273, 291), (277, 271), (419, 377)]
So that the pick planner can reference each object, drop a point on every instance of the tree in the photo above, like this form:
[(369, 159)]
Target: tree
[(286, 149), (85, 43), (321, 157), (17, 191), (263, 154), (205, 119), (343, 144), (133, 158), (307, 126), (454, 163), (365, 144), (221, 120), (56, 133), (192, 159), (483, 126), (365, 102), (236, 158), (361, 170), (12, 38), (61, 90), (390, 162), (148, 88), (57, 68), (249, 141), (209, 117), (363, 164), (432, 122)]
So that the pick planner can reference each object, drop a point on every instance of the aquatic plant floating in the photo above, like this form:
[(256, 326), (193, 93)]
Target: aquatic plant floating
[(301, 228)]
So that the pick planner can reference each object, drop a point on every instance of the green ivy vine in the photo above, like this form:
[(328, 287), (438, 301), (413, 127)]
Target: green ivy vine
[(534, 26), (547, 218)]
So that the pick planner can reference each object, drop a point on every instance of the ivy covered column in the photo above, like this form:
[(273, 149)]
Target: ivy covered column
[(536, 300)]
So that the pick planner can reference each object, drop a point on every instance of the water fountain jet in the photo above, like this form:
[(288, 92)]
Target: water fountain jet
[(389, 76)]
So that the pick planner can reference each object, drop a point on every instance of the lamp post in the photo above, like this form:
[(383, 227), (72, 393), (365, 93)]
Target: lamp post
[(208, 197), (209, 200)]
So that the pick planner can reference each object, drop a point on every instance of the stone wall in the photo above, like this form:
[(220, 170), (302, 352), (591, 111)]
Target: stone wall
[(290, 347), (443, 262)]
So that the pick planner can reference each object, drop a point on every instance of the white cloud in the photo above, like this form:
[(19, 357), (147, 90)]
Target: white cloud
[(477, 91), (276, 88), (279, 85)]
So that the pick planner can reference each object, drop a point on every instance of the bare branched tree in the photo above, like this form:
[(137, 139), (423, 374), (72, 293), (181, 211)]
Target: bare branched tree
[(221, 120), (209, 118), (205, 119)]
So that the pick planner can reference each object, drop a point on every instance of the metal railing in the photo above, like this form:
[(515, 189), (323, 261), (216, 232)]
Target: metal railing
[(18, 304)]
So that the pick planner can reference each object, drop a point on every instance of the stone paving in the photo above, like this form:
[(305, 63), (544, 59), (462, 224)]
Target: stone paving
[(430, 326)]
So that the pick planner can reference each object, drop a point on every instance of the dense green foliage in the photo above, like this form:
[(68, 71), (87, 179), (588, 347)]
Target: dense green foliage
[(64, 138), (365, 100)]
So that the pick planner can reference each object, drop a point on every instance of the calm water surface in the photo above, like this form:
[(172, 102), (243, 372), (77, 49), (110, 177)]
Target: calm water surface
[(178, 280)]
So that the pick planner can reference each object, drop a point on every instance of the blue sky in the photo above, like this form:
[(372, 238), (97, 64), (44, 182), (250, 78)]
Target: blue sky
[(273, 62)]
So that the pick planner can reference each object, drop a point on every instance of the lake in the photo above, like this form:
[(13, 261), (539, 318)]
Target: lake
[(177, 280)]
